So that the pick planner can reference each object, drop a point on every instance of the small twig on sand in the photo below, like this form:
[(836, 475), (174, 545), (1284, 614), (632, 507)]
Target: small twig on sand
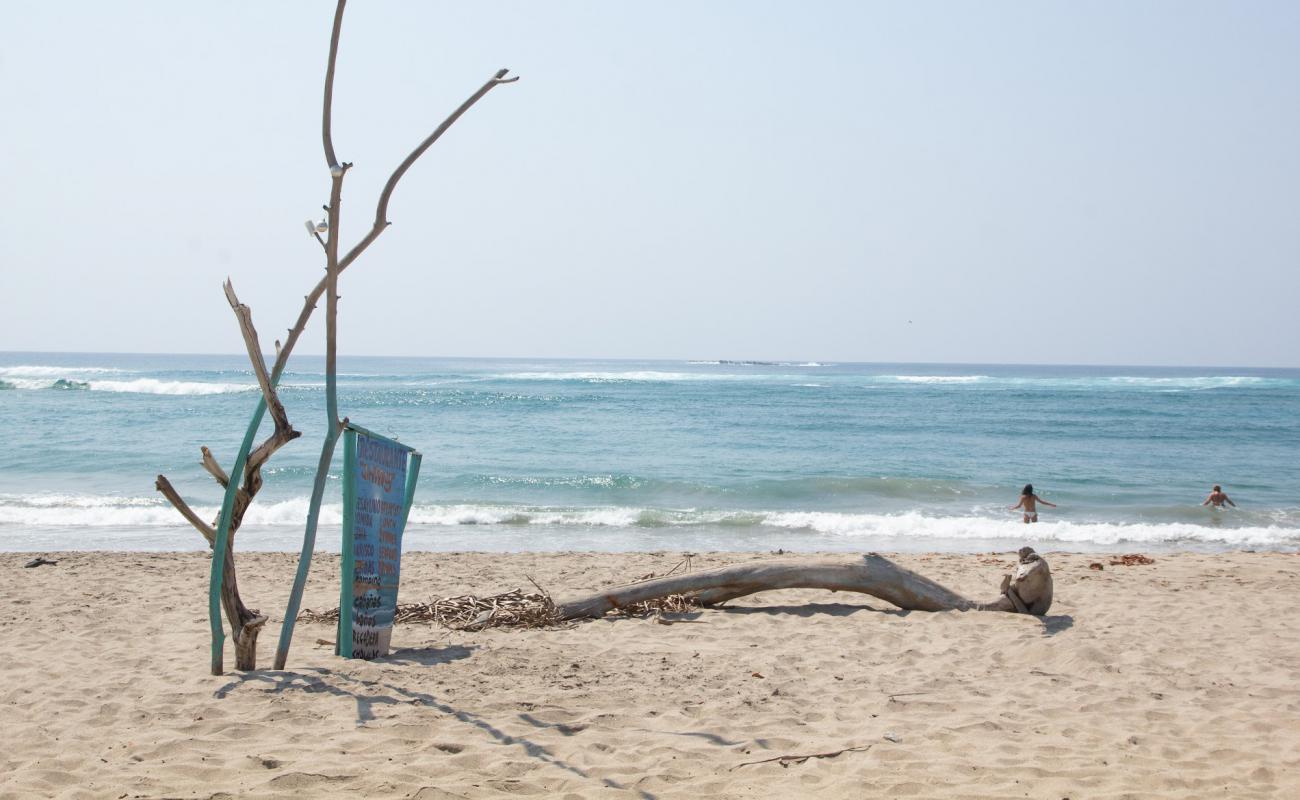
[(787, 760), (1131, 560)]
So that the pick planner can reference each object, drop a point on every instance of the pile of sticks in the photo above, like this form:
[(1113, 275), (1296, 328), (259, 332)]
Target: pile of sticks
[(513, 609)]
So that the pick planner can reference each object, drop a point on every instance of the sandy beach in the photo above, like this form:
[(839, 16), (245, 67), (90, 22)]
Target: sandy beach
[(1176, 679)]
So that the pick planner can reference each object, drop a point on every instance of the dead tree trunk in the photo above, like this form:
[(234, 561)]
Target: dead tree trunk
[(1028, 591)]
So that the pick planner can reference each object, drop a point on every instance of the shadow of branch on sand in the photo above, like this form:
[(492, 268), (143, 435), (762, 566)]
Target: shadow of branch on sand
[(1052, 625), (806, 609), (370, 693)]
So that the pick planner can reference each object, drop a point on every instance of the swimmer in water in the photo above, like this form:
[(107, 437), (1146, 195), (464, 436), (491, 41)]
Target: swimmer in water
[(1029, 502), (1217, 498)]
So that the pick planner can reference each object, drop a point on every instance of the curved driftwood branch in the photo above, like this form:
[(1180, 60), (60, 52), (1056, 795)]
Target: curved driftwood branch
[(381, 208), (328, 105), (165, 486), (1029, 591)]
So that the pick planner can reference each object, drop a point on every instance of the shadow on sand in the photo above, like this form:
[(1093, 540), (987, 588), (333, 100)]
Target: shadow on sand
[(370, 693), (1052, 625)]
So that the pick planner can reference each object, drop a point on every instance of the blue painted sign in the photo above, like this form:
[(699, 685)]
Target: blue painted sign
[(379, 478)]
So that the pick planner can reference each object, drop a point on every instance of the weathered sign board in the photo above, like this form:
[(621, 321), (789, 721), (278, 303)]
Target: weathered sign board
[(379, 476)]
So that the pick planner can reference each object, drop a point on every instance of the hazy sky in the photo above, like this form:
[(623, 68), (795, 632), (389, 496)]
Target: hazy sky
[(1103, 182)]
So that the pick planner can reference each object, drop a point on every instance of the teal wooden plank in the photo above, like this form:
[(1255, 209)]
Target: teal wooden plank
[(223, 540), (308, 547), (349, 570)]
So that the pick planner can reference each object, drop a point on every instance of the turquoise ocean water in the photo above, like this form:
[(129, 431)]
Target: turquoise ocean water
[(670, 455)]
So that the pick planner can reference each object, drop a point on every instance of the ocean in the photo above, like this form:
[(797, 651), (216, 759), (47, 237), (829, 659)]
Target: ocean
[(548, 455)]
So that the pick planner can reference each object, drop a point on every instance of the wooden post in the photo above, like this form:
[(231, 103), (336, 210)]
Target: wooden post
[(222, 543)]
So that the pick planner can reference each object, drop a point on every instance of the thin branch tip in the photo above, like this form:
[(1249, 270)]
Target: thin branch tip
[(229, 288)]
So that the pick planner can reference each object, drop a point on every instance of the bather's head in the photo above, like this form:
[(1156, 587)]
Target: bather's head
[(1028, 490)]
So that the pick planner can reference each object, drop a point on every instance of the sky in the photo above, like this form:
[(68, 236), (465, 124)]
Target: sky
[(1029, 182)]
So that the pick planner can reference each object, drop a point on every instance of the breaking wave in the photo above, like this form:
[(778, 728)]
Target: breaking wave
[(86, 379), (634, 376), (96, 511)]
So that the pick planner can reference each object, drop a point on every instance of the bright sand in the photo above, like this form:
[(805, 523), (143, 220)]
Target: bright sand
[(1178, 679)]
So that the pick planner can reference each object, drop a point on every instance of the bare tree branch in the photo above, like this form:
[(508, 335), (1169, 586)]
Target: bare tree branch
[(327, 111), (245, 317), (381, 214), (381, 209), (165, 486), (214, 469)]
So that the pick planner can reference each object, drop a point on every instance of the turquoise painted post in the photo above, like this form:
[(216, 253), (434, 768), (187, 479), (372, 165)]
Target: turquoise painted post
[(349, 566), (223, 539), (308, 547)]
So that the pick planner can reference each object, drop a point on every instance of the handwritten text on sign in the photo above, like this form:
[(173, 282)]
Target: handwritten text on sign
[(379, 483)]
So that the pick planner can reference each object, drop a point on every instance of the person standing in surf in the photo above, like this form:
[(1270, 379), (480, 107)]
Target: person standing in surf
[(1029, 503), (1217, 498)]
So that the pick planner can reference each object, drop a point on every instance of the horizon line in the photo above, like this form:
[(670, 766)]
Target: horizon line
[(734, 361)]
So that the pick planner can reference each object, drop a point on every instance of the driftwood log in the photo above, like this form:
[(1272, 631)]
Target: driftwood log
[(1027, 591)]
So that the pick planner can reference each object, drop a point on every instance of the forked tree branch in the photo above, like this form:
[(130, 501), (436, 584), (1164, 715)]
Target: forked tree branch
[(245, 316)]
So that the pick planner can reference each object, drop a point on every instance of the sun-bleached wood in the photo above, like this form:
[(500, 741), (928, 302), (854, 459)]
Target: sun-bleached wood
[(1028, 591)]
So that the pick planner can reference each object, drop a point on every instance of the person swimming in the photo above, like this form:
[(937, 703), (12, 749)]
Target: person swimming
[(1217, 498), (1029, 503)]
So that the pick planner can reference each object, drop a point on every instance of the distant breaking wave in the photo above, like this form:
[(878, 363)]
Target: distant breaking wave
[(934, 378), (136, 386), (617, 377), (38, 377)]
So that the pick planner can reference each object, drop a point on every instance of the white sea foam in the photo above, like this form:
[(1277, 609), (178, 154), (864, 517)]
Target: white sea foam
[(935, 378), (12, 382), (86, 378), (1169, 384), (618, 377), (155, 386), (919, 526), (1203, 382), (99, 511)]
